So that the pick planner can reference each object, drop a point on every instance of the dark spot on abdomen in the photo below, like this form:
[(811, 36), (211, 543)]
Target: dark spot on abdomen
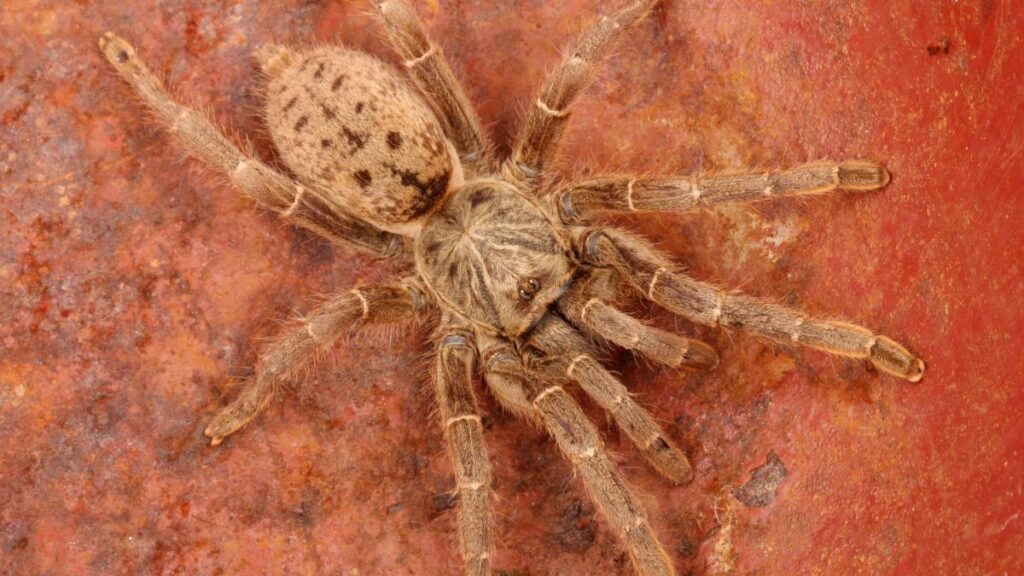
[(337, 83), (430, 188), (326, 143), (394, 140), (355, 139), (363, 178), (290, 103), (359, 107), (302, 121), (319, 71)]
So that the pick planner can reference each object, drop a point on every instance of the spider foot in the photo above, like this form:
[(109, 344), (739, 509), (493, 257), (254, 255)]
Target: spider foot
[(229, 420)]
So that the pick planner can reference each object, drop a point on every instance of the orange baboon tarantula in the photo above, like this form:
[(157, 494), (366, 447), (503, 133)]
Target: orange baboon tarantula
[(523, 280)]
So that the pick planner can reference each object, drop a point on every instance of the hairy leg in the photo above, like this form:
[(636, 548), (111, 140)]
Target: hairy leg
[(453, 383), (266, 186), (584, 305), (581, 200), (652, 274), (527, 391), (428, 68), (570, 353), (292, 352), (548, 115)]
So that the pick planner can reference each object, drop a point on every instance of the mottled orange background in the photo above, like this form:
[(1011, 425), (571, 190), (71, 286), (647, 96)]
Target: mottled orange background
[(135, 289)]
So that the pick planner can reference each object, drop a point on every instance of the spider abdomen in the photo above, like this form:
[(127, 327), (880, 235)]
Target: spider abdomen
[(351, 129)]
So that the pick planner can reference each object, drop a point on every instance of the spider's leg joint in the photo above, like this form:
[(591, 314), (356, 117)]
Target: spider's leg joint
[(869, 346), (550, 111), (572, 365), (417, 60), (299, 193), (545, 392), (413, 289), (178, 120), (796, 330), (719, 303), (586, 308), (363, 301), (239, 169), (569, 213), (654, 280), (695, 191), (454, 419), (592, 239), (524, 170), (654, 439), (455, 341), (309, 330), (637, 522), (629, 195)]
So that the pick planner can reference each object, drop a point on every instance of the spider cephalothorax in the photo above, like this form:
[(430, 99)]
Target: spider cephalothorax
[(493, 257), (523, 280)]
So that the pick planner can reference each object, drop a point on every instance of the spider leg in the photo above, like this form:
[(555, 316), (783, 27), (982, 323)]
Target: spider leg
[(584, 304), (266, 186), (548, 116), (319, 331), (581, 200), (571, 354), (432, 75), (652, 274), (528, 391), (453, 379)]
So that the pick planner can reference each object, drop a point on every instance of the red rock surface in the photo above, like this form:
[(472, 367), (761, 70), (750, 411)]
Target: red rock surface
[(135, 288)]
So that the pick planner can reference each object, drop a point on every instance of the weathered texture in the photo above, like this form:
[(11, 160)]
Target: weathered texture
[(133, 287)]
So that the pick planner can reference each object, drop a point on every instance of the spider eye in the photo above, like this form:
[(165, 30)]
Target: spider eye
[(528, 288)]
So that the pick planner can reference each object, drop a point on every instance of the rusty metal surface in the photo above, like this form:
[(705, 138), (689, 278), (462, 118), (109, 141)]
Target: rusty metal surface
[(134, 288)]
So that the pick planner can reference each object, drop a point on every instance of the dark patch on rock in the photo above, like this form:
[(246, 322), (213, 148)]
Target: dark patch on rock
[(575, 529), (764, 481), (688, 547)]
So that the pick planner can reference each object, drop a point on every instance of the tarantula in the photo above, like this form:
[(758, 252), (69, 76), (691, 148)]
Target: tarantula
[(522, 281)]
